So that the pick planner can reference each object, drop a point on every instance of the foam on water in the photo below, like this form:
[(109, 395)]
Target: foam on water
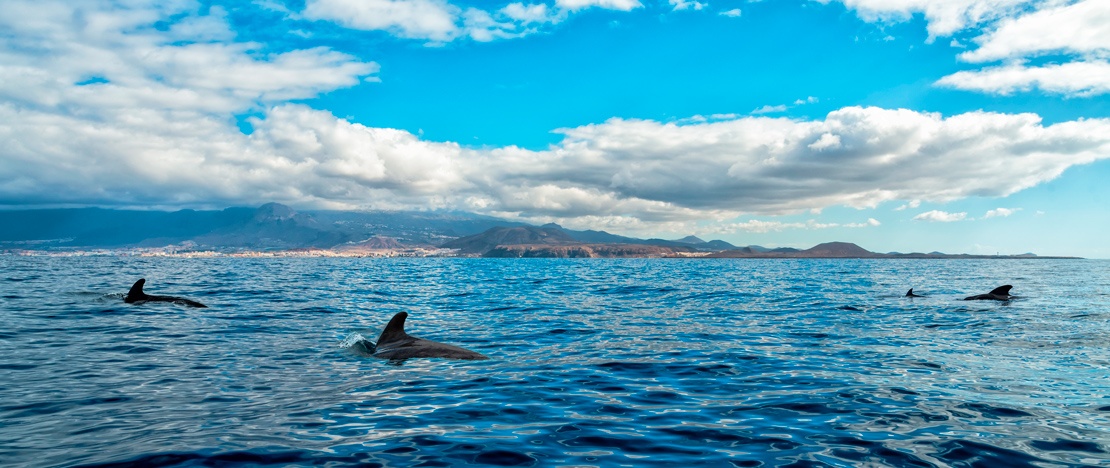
[(593, 362)]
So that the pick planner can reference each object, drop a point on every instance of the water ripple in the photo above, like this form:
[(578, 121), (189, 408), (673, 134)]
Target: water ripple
[(594, 363)]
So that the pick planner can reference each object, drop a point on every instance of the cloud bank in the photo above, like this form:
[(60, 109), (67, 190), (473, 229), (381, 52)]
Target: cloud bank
[(644, 170), (100, 107)]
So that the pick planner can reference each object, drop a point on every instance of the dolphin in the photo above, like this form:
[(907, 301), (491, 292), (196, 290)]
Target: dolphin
[(1001, 293), (911, 294), (137, 296), (394, 344)]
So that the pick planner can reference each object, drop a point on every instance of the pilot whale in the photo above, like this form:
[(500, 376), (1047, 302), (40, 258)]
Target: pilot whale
[(1001, 293), (395, 344), (911, 294), (137, 296)]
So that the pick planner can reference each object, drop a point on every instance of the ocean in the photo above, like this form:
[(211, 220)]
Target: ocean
[(622, 362)]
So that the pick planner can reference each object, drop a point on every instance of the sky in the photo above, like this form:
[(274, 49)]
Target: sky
[(961, 126)]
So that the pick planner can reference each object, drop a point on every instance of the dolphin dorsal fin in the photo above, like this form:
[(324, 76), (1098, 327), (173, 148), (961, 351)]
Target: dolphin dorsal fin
[(1001, 290), (395, 330), (910, 292), (137, 289)]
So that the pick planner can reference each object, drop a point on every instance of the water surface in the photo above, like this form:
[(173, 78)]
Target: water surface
[(643, 362)]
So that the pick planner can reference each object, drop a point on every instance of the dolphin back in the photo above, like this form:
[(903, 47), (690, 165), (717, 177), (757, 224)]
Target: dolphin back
[(136, 292), (395, 330), (1001, 291), (395, 344)]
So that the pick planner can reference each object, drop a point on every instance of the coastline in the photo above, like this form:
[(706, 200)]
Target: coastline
[(454, 253)]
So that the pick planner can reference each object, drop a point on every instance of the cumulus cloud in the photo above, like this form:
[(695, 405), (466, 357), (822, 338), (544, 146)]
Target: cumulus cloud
[(119, 112), (434, 20), (940, 216), (944, 17), (105, 58), (687, 5), (622, 5), (425, 19), (733, 13), (1001, 212), (1079, 28), (769, 109), (911, 204), (1080, 31), (1073, 78), (1015, 32)]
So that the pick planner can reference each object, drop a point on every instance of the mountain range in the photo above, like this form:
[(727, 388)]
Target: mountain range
[(274, 227)]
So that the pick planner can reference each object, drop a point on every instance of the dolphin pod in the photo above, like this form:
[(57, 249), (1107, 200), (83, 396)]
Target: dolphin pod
[(395, 344), (1001, 293), (137, 296)]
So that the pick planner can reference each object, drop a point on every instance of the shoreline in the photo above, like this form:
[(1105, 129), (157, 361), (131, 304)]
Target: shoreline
[(445, 253)]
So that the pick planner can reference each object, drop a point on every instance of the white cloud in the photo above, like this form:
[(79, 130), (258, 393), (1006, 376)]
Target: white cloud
[(421, 19), (1001, 212), (911, 204), (434, 20), (944, 17), (769, 109), (733, 13), (687, 5), (622, 5), (1073, 79), (127, 63), (826, 141), (534, 13), (808, 100), (940, 216), (1016, 31), (1081, 28)]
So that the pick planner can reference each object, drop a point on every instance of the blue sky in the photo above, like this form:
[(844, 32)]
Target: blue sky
[(976, 126)]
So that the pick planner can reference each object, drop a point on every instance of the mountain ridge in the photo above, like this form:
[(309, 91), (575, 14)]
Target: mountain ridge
[(276, 227)]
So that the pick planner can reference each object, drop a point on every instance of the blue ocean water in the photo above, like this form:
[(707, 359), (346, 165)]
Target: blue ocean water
[(640, 362)]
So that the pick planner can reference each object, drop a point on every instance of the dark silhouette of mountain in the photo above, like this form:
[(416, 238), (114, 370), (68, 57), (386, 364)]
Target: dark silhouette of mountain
[(720, 245), (380, 242), (690, 240), (601, 237), (581, 251), (825, 250), (372, 244), (271, 226), (276, 226), (501, 236), (838, 250), (97, 227)]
